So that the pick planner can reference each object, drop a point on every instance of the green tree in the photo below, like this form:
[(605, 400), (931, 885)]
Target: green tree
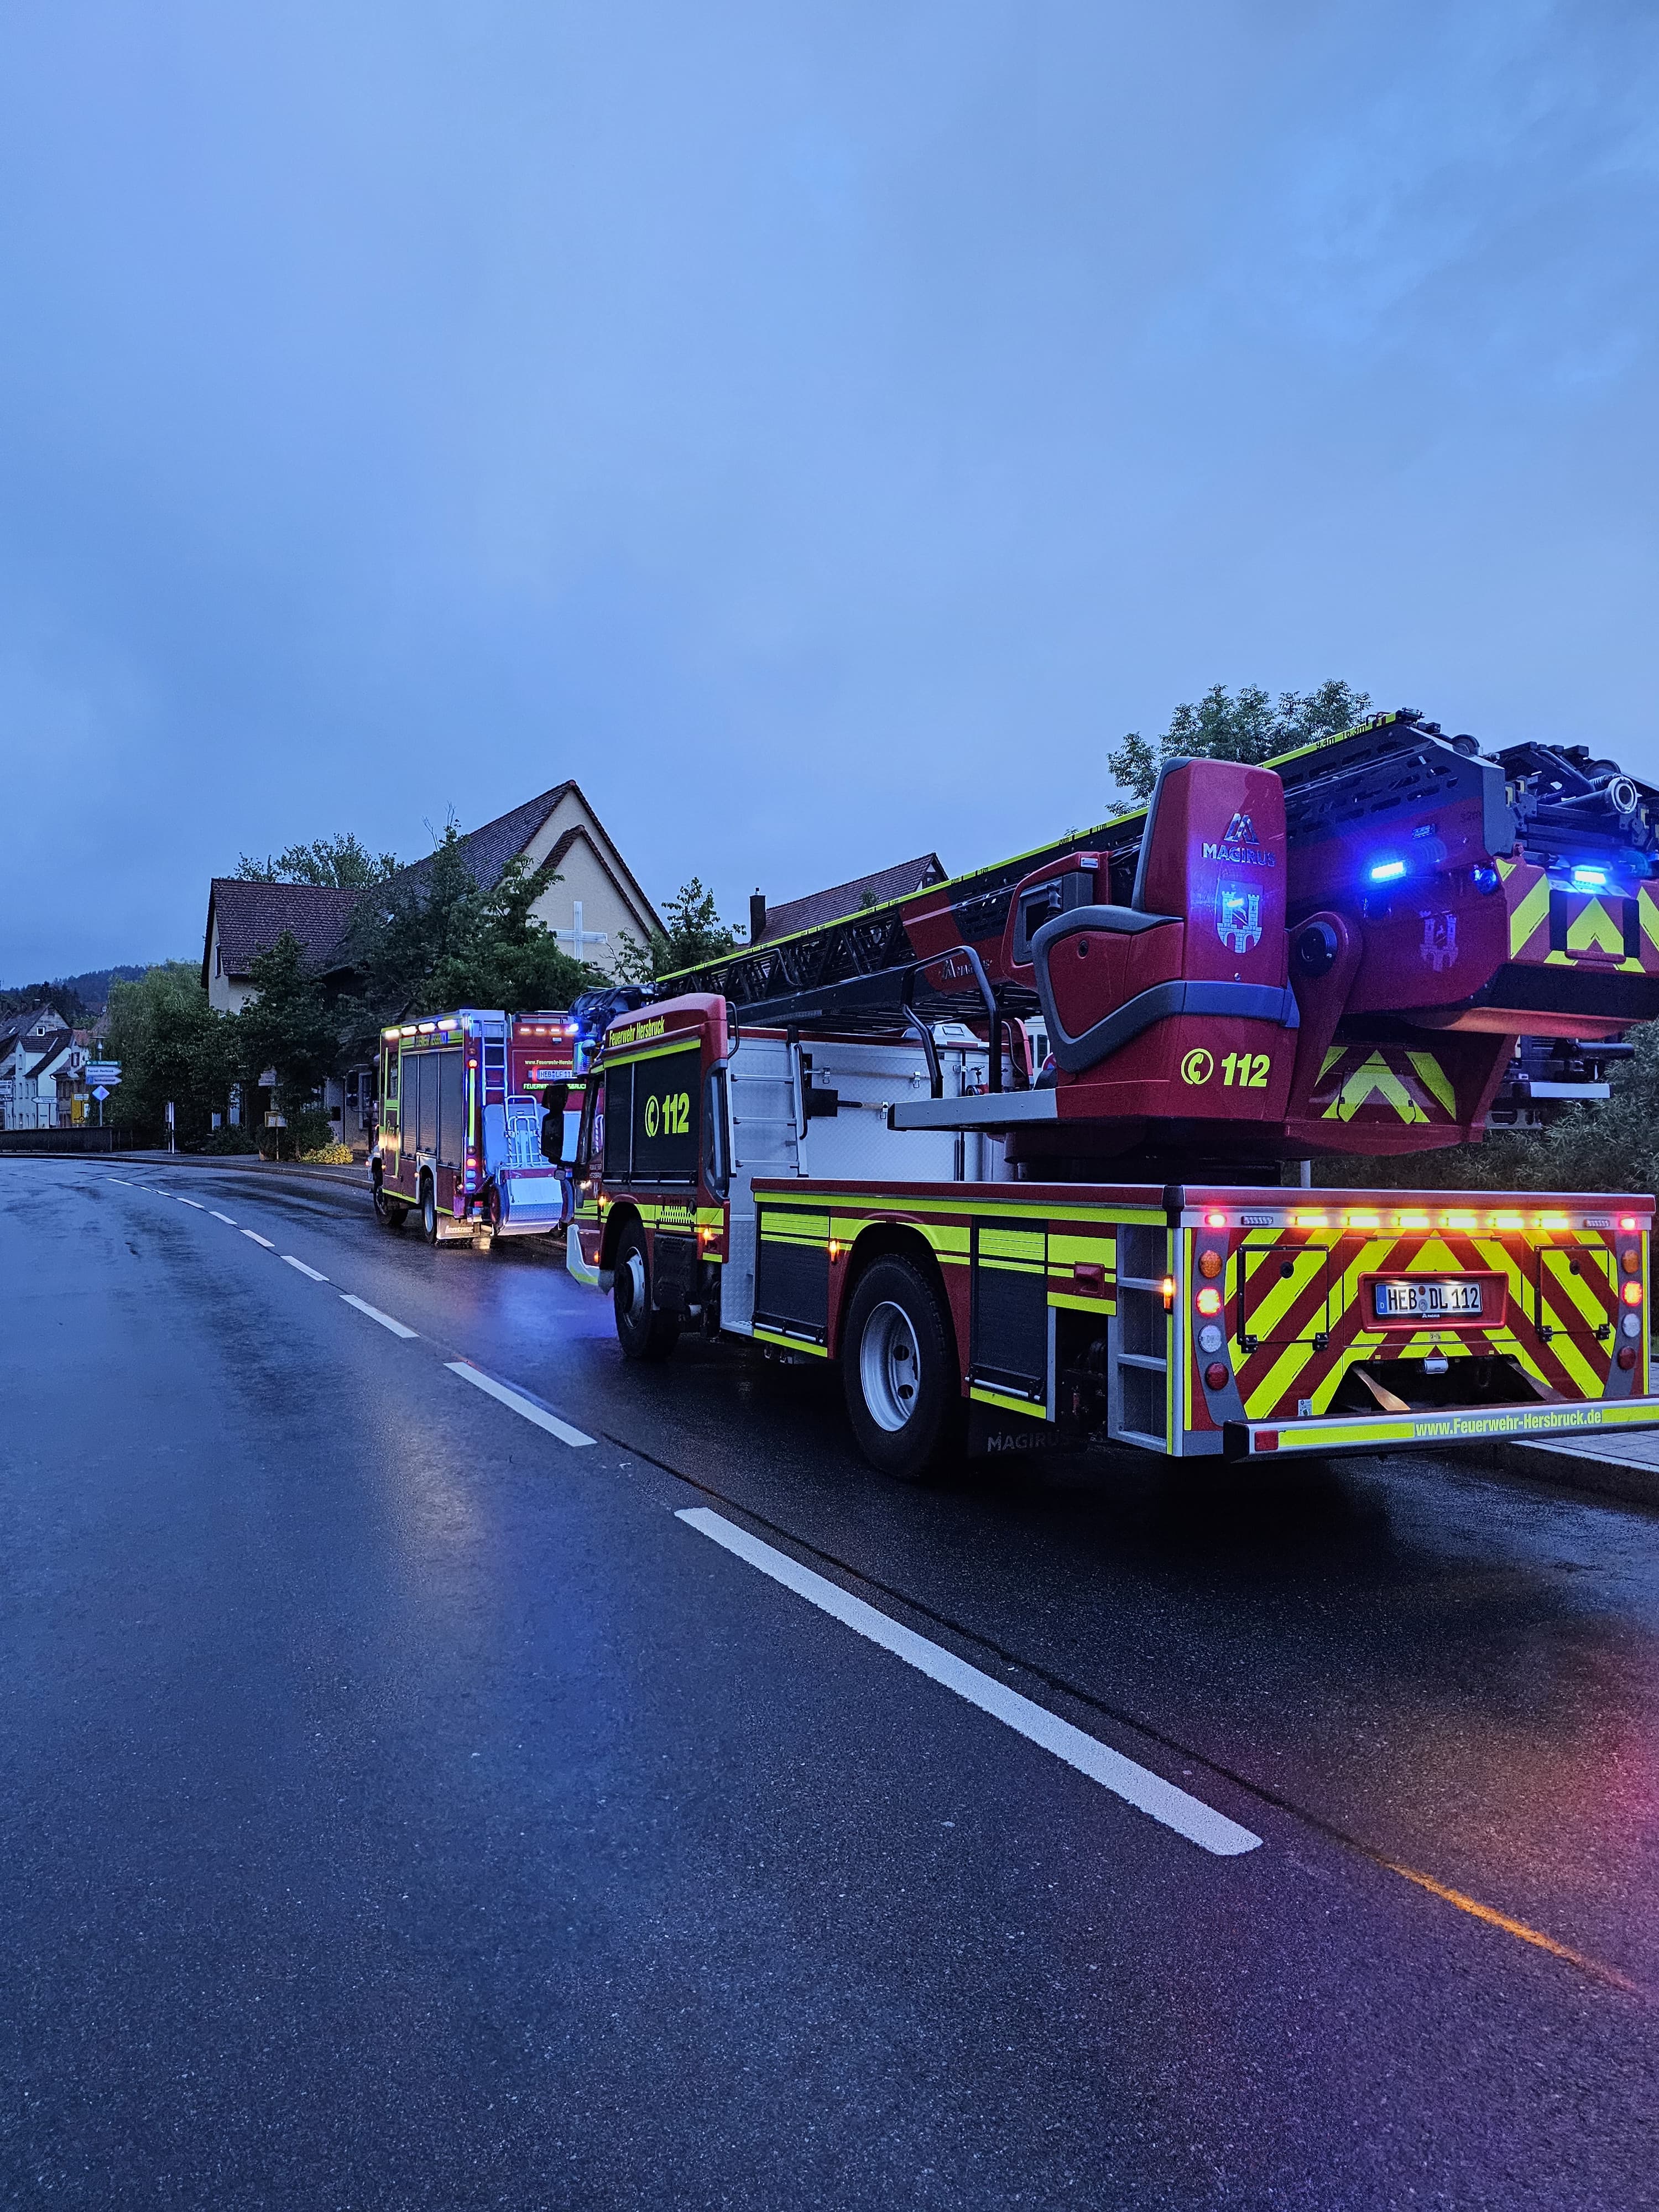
[(171, 1045), (343, 863), (1251, 727), (289, 1028), (694, 933), (441, 940)]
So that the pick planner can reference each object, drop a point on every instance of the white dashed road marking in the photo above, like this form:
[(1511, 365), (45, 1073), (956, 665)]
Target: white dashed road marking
[(229, 1220), (1137, 1785), (195, 1202), (290, 1260), (525, 1407), (257, 1239), (374, 1313)]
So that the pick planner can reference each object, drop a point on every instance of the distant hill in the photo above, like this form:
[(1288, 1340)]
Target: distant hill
[(72, 995)]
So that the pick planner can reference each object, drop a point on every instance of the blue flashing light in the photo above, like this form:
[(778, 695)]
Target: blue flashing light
[(1485, 879), (1589, 879), (1386, 872)]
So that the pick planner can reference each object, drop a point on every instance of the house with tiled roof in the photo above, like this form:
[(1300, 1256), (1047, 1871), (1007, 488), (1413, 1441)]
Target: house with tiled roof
[(596, 898), (42, 1069), (769, 923)]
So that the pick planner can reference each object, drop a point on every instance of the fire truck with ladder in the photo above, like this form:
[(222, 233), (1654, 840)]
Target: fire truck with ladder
[(1025, 1150)]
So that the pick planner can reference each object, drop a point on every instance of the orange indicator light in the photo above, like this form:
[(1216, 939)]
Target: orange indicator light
[(1215, 1221), (1362, 1221), (1168, 1288), (1627, 1221), (1553, 1221), (1462, 1221), (1411, 1220), (1633, 1294), (1209, 1302), (1509, 1221), (1312, 1220)]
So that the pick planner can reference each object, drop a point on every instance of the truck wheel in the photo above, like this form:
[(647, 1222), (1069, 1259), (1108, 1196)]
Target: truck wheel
[(428, 1210), (641, 1333), (903, 1394)]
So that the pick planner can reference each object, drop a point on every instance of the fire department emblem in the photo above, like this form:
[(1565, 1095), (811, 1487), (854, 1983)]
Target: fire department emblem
[(1439, 945), (1238, 916)]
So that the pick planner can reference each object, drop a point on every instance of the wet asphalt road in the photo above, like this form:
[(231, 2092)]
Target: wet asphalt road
[(399, 1805)]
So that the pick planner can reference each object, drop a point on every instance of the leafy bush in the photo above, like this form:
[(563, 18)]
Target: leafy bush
[(228, 1141), (328, 1155)]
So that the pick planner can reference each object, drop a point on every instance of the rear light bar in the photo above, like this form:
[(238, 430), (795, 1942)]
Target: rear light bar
[(1405, 1220)]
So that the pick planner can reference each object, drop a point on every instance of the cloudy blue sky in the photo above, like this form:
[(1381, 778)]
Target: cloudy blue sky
[(822, 430)]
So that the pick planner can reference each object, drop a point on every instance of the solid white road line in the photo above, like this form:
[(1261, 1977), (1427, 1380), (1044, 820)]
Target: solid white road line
[(1138, 1785), (290, 1260), (257, 1239), (526, 1406), (374, 1313), (228, 1219), (196, 1202)]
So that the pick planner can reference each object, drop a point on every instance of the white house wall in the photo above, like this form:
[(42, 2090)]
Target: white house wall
[(592, 871)]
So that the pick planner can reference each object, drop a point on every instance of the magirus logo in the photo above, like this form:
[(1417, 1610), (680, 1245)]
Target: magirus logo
[(1238, 916), (1240, 848)]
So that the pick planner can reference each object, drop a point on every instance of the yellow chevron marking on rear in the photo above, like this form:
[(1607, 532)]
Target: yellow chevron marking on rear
[(1307, 1262), (1333, 1053), (1277, 1380), (1435, 1080), (1559, 1289), (1373, 1079), (1647, 912), (1594, 930), (1530, 914), (1602, 967), (1373, 1258)]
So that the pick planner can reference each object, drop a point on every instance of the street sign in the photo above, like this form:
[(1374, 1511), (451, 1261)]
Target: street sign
[(104, 1070), (100, 1093)]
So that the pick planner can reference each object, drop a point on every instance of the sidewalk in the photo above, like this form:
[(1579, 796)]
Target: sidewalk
[(354, 1177), (1623, 1467)]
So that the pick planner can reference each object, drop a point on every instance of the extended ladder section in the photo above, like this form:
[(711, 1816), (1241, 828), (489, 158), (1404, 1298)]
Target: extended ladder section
[(1337, 950)]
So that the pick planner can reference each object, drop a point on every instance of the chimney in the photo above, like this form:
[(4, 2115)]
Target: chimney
[(757, 915)]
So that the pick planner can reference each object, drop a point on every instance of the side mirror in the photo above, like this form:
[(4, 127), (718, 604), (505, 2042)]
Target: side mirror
[(554, 1099)]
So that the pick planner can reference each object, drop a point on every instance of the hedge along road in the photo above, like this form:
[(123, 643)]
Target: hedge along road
[(417, 1804)]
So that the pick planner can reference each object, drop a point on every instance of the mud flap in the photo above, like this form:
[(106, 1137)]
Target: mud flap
[(995, 1434)]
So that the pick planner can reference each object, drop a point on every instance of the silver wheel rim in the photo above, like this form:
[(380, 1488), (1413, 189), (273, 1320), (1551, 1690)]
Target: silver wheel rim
[(633, 1275), (430, 1212), (890, 1366)]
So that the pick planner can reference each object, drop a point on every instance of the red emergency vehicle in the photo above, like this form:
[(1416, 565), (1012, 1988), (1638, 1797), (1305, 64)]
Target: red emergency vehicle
[(478, 1109), (1338, 950)]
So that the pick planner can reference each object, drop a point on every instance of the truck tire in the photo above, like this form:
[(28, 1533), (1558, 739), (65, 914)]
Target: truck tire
[(428, 1210), (641, 1333), (898, 1368)]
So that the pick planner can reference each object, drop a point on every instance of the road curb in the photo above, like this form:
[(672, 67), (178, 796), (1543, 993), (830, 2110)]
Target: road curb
[(1627, 1480)]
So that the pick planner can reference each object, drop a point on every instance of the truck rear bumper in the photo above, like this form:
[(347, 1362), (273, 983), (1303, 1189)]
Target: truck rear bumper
[(1451, 1425)]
